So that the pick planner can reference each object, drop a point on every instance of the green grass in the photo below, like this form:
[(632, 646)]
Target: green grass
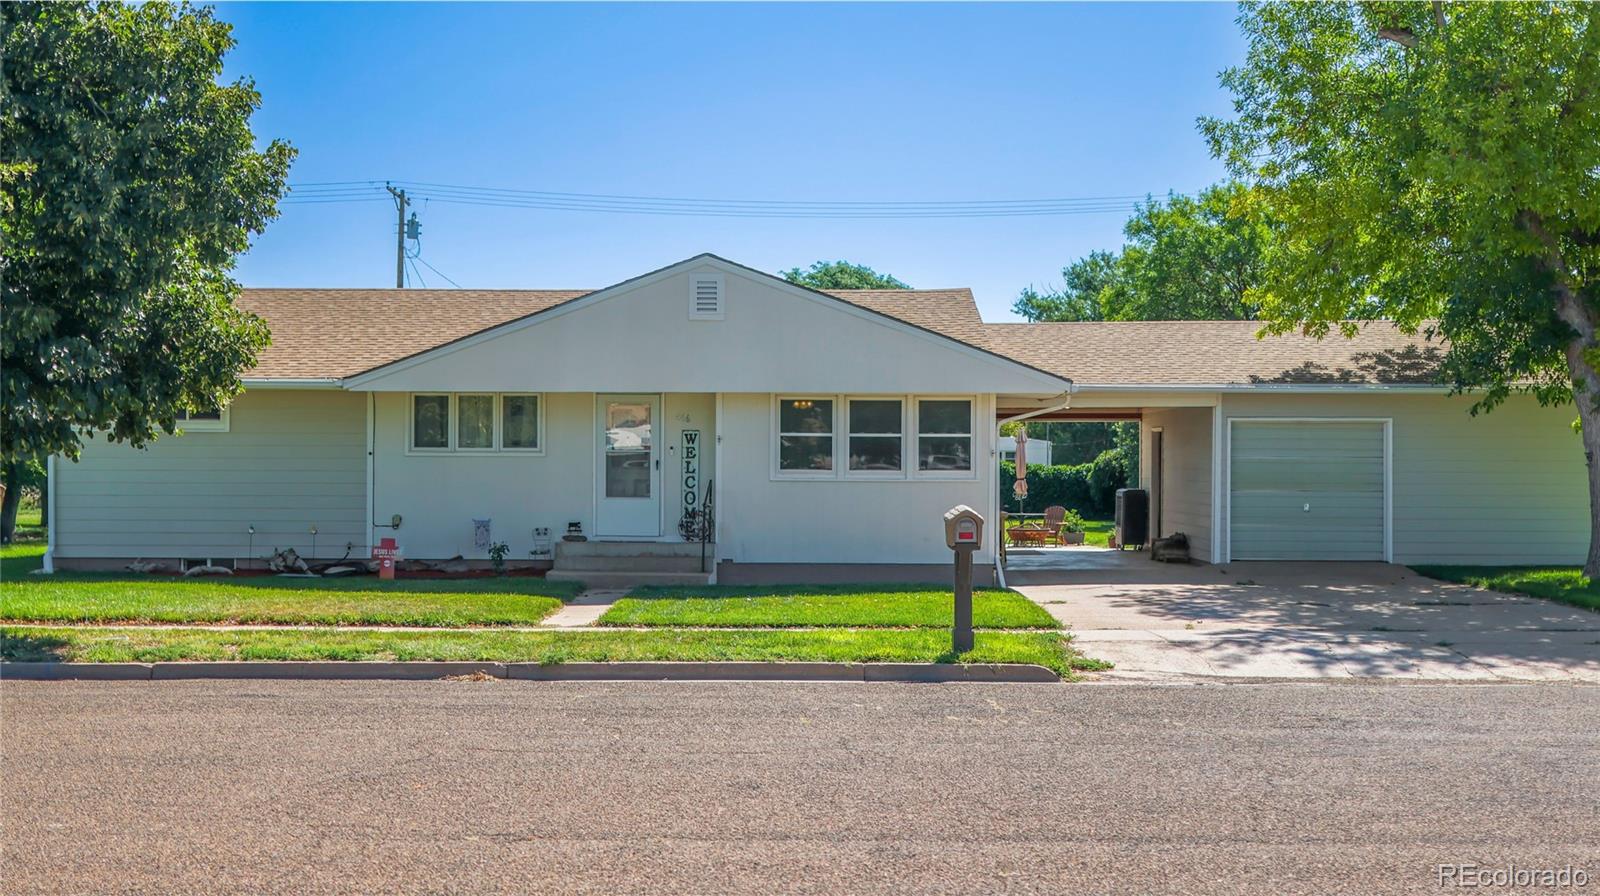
[(359, 600), (106, 645), (1098, 532), (854, 606), (1563, 584)]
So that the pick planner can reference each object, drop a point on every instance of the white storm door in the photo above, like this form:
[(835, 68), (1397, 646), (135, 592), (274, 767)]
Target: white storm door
[(628, 470)]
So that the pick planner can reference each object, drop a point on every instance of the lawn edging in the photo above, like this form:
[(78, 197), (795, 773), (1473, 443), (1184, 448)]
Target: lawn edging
[(578, 671)]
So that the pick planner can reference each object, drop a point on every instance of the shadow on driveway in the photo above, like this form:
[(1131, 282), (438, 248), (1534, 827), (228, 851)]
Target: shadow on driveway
[(1296, 620)]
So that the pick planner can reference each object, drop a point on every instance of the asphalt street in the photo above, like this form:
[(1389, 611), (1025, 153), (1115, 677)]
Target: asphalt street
[(713, 788)]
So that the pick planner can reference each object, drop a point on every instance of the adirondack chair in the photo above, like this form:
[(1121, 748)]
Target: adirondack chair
[(1055, 521)]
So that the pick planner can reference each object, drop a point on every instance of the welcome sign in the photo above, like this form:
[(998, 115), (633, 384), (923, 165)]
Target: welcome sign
[(691, 469)]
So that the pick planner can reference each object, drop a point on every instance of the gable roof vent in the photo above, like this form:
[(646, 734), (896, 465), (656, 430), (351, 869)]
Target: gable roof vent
[(705, 297)]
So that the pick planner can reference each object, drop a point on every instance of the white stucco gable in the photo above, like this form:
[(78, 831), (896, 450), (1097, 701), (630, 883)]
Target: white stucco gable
[(662, 332)]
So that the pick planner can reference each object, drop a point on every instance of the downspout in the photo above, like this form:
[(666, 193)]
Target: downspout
[(1060, 403), (52, 520), (721, 496)]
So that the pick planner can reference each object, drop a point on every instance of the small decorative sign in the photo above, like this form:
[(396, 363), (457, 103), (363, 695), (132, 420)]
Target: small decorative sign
[(691, 469)]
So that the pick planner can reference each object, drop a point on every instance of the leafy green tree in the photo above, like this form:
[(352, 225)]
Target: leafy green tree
[(1437, 164), (1186, 258), (1083, 283), (841, 275), (129, 182)]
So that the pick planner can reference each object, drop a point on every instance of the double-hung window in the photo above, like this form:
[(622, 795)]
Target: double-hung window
[(944, 437), (877, 436), (805, 436)]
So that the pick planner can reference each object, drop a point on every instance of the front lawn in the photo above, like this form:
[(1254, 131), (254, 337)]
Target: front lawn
[(358, 600), (859, 606), (1563, 584), (107, 645)]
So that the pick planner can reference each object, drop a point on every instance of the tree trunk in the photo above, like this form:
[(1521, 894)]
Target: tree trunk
[(1586, 395), (44, 500), (1573, 311), (8, 508)]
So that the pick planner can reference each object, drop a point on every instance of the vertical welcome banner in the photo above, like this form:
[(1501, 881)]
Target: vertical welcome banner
[(691, 469)]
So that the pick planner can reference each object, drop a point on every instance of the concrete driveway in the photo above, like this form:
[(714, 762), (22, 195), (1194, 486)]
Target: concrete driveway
[(1308, 620)]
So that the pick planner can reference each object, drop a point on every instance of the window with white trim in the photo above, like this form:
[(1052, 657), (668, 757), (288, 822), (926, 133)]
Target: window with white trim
[(944, 436), (430, 422), (203, 421), (805, 436), (876, 436), (519, 422), (475, 422)]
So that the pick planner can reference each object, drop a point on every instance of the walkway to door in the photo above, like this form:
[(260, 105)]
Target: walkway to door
[(1308, 620)]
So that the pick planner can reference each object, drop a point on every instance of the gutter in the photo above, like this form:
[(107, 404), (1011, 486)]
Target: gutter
[(1283, 388), (293, 383)]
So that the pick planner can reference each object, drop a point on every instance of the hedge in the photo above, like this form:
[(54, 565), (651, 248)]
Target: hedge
[(1090, 489)]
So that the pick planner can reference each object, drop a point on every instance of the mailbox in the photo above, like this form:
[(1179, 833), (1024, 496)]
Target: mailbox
[(963, 528), (963, 532)]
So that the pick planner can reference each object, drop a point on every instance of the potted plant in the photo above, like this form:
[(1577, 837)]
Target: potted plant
[(1072, 528)]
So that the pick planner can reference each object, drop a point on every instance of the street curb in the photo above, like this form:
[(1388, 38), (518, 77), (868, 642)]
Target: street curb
[(331, 670), (76, 671), (638, 671)]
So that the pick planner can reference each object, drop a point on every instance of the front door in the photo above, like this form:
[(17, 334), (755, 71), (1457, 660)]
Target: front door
[(628, 470)]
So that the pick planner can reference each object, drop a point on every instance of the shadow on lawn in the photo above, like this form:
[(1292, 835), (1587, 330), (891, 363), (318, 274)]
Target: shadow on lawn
[(17, 648)]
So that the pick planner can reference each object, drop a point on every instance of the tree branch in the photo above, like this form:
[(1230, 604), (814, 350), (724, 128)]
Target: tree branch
[(1405, 37)]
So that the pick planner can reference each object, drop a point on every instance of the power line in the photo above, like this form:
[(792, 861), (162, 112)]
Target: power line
[(502, 197), (437, 271)]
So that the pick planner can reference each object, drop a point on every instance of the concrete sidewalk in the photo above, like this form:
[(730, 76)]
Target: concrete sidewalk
[(1315, 620), (584, 610)]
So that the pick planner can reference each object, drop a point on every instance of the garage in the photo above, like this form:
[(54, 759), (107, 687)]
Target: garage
[(1308, 489)]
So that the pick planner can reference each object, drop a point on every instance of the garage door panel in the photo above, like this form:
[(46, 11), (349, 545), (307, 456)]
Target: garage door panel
[(1306, 490)]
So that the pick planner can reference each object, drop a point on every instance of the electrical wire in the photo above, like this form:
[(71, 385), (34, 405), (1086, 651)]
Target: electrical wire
[(439, 272), (502, 197)]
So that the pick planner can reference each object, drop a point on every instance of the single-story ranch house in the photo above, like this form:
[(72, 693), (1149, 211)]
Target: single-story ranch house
[(835, 427)]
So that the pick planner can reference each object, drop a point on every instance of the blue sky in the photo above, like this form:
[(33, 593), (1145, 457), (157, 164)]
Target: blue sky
[(890, 102)]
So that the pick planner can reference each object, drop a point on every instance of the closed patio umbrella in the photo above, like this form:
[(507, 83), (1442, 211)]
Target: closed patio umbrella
[(1020, 487)]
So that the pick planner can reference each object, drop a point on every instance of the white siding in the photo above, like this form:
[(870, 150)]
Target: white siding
[(773, 338), (290, 460), (1185, 475), (439, 495), (1508, 487), (769, 520)]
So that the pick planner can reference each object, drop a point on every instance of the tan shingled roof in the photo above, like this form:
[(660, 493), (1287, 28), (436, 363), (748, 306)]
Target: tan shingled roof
[(1158, 353), (335, 333)]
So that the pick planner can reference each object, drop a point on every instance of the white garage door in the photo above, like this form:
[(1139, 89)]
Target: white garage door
[(1306, 490)]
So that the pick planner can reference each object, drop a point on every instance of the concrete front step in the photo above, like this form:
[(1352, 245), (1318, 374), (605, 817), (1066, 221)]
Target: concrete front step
[(597, 578), (627, 556)]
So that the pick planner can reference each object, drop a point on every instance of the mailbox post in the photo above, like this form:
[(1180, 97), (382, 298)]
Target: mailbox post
[(963, 532)]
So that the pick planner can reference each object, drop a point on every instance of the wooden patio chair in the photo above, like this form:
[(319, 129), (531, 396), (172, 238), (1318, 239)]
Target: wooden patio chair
[(1055, 517)]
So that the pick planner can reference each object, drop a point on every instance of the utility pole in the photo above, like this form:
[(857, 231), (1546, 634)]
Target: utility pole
[(400, 202)]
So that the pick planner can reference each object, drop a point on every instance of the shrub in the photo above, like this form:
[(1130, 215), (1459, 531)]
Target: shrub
[(1088, 489)]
